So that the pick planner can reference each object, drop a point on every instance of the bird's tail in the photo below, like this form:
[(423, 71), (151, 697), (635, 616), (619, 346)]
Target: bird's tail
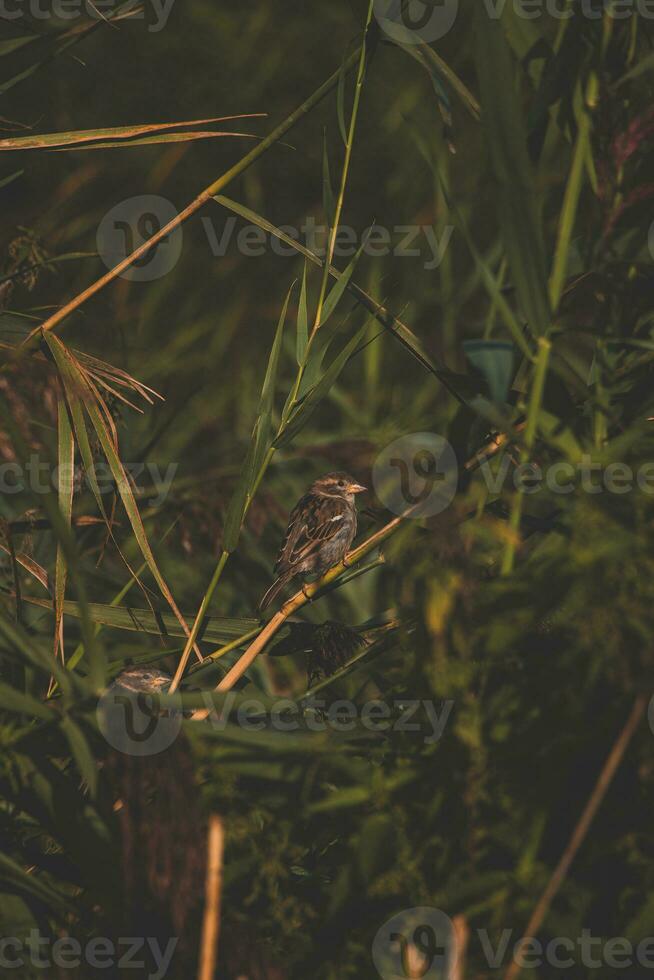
[(273, 591)]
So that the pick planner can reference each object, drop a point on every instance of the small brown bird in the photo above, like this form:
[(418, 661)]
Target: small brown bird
[(320, 530)]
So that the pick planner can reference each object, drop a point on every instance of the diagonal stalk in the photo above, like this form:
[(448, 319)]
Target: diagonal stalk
[(300, 599), (210, 192), (214, 188), (583, 825)]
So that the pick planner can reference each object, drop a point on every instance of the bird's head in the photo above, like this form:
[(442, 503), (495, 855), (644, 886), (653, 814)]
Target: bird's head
[(337, 485)]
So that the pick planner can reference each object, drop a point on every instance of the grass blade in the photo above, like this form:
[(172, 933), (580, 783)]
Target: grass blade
[(391, 323), (261, 442), (66, 477), (134, 620), (302, 321), (100, 418), (117, 133), (507, 141)]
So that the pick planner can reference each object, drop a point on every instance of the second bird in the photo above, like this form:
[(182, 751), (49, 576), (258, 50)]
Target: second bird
[(320, 530)]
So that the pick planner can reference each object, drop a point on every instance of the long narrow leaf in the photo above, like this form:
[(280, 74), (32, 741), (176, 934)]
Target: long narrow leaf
[(215, 628), (99, 417), (506, 136), (455, 384), (75, 137), (36, 570), (66, 475), (149, 140), (302, 320), (307, 407), (81, 753), (261, 442)]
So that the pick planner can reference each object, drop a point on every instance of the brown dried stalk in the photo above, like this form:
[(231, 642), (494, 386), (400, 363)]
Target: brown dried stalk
[(296, 602), (213, 890), (579, 833)]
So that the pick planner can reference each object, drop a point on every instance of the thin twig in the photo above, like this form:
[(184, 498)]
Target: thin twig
[(213, 889), (579, 833)]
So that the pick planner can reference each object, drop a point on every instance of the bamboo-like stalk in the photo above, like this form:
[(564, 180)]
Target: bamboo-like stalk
[(197, 623), (461, 937), (214, 188), (213, 890), (558, 875), (181, 666), (296, 602), (307, 594)]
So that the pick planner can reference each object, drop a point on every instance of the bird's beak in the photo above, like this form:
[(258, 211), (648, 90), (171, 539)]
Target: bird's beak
[(356, 488)]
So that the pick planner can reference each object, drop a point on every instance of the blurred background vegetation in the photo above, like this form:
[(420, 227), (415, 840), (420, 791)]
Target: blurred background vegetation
[(533, 614)]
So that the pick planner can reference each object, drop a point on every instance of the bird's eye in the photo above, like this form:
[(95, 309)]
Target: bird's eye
[(341, 483)]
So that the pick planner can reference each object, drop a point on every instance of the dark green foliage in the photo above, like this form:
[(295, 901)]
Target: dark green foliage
[(519, 624)]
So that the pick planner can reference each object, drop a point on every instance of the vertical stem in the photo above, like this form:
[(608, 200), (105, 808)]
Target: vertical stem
[(333, 232), (461, 939), (571, 197), (535, 401), (199, 619), (213, 889), (214, 189), (296, 602)]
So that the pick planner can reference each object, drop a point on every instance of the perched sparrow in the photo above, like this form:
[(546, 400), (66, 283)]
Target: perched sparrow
[(320, 530)]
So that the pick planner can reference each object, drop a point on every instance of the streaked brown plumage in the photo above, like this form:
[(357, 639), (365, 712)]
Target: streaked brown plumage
[(321, 528)]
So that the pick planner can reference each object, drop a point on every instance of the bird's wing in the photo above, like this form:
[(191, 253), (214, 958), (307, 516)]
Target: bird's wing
[(313, 521)]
